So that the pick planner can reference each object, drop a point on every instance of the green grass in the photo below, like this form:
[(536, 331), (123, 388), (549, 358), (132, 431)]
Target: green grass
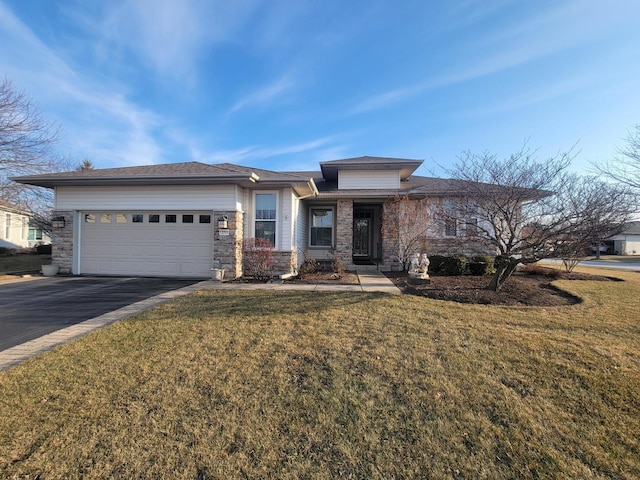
[(334, 385)]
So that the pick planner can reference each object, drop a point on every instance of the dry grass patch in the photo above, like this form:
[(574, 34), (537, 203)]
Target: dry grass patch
[(330, 385)]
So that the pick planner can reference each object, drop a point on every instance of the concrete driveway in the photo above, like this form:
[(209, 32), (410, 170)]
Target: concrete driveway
[(34, 308)]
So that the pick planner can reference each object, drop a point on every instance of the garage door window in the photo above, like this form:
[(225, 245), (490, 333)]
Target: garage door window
[(121, 218), (154, 218), (205, 218), (137, 218), (105, 218), (90, 218), (170, 219), (187, 218)]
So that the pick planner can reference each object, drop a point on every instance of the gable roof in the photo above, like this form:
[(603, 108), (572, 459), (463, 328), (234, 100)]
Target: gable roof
[(10, 208)]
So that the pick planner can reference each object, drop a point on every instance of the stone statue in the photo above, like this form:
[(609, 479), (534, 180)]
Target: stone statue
[(419, 268)]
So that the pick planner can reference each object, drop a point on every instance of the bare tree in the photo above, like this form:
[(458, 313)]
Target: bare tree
[(26, 141), (525, 208), (602, 208), (406, 223), (625, 166)]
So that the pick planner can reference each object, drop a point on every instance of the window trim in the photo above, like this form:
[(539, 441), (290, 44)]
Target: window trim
[(333, 226), (276, 221)]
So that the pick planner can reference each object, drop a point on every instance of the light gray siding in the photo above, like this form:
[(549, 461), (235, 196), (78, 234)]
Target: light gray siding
[(368, 179), (166, 197)]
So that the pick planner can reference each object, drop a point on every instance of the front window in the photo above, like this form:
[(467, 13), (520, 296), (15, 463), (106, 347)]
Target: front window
[(265, 226), (321, 227)]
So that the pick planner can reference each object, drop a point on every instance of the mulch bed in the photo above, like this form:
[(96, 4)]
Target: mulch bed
[(522, 289), (329, 278)]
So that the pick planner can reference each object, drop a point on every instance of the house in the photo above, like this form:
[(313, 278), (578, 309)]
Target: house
[(627, 242), (184, 219), (15, 228)]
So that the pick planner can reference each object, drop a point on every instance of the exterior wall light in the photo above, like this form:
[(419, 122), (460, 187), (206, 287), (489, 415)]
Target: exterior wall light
[(223, 222), (58, 222)]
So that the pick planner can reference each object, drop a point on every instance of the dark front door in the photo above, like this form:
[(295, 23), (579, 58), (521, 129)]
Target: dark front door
[(361, 236)]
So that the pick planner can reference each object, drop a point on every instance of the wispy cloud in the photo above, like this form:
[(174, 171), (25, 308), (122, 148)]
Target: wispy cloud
[(260, 152), (566, 26), (103, 125), (167, 36), (265, 95)]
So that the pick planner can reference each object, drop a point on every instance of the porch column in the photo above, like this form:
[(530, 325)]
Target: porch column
[(62, 242), (227, 250), (344, 231)]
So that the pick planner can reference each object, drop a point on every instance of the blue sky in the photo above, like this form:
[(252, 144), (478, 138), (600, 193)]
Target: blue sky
[(285, 84)]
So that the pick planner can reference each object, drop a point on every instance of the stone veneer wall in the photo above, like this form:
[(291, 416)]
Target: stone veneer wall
[(62, 242), (227, 249), (390, 256), (284, 262), (344, 231)]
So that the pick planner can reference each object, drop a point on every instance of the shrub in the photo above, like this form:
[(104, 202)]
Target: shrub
[(4, 250), (43, 249), (455, 265), (436, 264), (337, 264), (308, 267), (481, 265), (257, 258)]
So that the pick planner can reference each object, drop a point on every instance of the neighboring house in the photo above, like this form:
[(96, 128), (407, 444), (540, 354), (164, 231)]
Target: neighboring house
[(16, 229), (627, 242), (184, 219)]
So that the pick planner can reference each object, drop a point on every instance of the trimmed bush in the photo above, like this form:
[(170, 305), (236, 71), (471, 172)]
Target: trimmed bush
[(436, 264), (455, 265), (481, 265)]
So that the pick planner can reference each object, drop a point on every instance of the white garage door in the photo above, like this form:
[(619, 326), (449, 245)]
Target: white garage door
[(175, 244)]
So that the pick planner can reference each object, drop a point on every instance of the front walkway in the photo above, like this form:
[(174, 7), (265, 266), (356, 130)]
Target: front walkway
[(369, 282)]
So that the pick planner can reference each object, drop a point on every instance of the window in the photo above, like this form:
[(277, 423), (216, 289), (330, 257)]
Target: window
[(121, 218), (321, 227), (105, 218), (187, 218), (205, 218), (7, 226), (137, 218), (34, 234), (154, 218), (451, 227), (472, 227), (90, 218), (170, 219), (265, 226)]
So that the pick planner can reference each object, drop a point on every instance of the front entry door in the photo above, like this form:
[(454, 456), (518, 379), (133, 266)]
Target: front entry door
[(361, 236)]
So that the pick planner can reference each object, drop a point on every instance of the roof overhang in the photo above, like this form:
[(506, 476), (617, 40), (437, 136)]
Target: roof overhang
[(302, 186), (405, 166)]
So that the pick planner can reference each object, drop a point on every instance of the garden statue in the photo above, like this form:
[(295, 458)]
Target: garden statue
[(418, 273)]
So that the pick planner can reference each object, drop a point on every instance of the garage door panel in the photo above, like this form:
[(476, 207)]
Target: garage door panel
[(163, 249)]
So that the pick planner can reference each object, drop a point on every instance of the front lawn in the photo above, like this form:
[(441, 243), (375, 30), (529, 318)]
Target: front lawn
[(23, 262), (265, 384)]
